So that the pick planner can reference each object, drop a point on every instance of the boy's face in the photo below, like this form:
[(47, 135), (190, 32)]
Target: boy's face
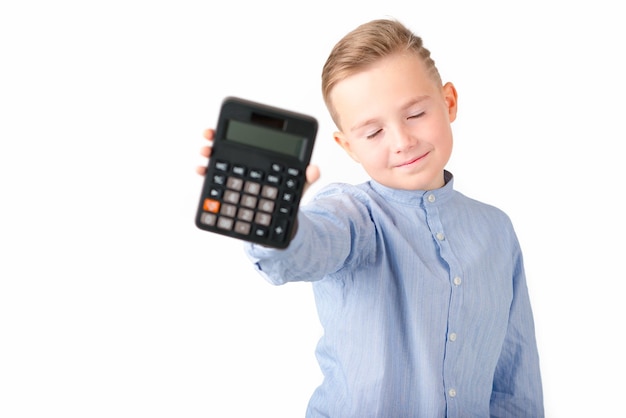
[(395, 121)]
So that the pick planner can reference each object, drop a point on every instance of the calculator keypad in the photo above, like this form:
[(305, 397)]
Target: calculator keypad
[(251, 201)]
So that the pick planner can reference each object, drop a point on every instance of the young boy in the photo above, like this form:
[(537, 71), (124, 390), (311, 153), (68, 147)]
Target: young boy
[(420, 290)]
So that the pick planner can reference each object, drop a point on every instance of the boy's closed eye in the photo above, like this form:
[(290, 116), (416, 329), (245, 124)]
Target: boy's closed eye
[(377, 132), (417, 115), (374, 134)]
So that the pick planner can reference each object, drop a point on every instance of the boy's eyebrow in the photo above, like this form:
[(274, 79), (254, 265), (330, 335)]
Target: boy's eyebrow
[(410, 103), (362, 124)]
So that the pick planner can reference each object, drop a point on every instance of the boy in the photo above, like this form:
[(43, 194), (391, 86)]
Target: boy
[(420, 290)]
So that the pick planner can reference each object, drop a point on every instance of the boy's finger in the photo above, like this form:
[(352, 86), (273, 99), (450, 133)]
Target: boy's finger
[(209, 134), (206, 151), (312, 174)]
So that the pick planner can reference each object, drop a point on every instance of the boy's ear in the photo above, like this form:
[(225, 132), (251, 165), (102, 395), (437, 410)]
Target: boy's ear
[(340, 138), (451, 98)]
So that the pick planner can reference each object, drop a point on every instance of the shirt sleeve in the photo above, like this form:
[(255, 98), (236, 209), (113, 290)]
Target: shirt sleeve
[(517, 388), (334, 231)]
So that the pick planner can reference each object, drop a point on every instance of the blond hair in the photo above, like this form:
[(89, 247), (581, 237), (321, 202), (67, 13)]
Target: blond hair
[(367, 44)]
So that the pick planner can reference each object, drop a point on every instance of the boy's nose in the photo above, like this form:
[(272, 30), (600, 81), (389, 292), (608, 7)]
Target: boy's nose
[(403, 140)]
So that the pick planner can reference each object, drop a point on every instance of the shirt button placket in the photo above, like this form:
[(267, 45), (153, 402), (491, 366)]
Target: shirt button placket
[(441, 237), (452, 336)]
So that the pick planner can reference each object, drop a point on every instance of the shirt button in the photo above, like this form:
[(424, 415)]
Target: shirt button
[(457, 281), (431, 198), (452, 336), (452, 393), (440, 236)]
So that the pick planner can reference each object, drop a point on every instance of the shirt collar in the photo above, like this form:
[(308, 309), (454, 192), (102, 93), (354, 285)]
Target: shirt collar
[(416, 196)]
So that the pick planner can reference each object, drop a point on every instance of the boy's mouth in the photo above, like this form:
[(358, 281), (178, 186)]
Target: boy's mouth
[(411, 161)]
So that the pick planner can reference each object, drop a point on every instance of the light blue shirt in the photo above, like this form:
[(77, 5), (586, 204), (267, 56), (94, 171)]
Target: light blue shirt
[(423, 301)]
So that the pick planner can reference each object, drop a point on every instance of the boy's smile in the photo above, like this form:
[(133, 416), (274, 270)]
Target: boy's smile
[(395, 121)]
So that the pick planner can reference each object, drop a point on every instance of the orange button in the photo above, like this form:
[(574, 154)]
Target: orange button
[(211, 205)]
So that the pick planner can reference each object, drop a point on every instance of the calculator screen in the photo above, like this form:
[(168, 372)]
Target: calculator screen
[(265, 138)]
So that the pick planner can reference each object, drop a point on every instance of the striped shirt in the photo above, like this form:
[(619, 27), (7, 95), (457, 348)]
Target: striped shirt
[(423, 300)]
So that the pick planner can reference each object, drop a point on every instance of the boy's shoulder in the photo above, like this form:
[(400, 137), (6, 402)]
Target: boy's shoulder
[(369, 192), (486, 215), (480, 204), (340, 189)]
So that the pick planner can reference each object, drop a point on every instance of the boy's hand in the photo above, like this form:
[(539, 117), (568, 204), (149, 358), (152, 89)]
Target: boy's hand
[(205, 151), (312, 171)]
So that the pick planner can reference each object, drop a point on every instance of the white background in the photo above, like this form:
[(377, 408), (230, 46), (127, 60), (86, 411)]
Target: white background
[(112, 302)]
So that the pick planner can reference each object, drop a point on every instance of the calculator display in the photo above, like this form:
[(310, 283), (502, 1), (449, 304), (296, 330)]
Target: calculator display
[(266, 138)]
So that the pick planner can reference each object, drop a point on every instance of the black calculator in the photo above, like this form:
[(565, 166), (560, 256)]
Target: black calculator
[(256, 172)]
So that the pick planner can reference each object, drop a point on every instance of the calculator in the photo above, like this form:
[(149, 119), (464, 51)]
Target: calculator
[(256, 173)]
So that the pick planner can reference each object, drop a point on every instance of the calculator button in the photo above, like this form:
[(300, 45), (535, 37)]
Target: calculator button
[(221, 165), (263, 219), (293, 171), (208, 218), (256, 174), (266, 205), (231, 197), (234, 183), (228, 210), (252, 187), (269, 192), (284, 210), (242, 227), (260, 232), (248, 201), (280, 230), (245, 214), (277, 167), (291, 183), (274, 179), (215, 192), (225, 223), (288, 197), (211, 205), (239, 170), (219, 179)]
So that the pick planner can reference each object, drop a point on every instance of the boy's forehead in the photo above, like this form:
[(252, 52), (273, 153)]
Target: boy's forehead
[(381, 91)]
